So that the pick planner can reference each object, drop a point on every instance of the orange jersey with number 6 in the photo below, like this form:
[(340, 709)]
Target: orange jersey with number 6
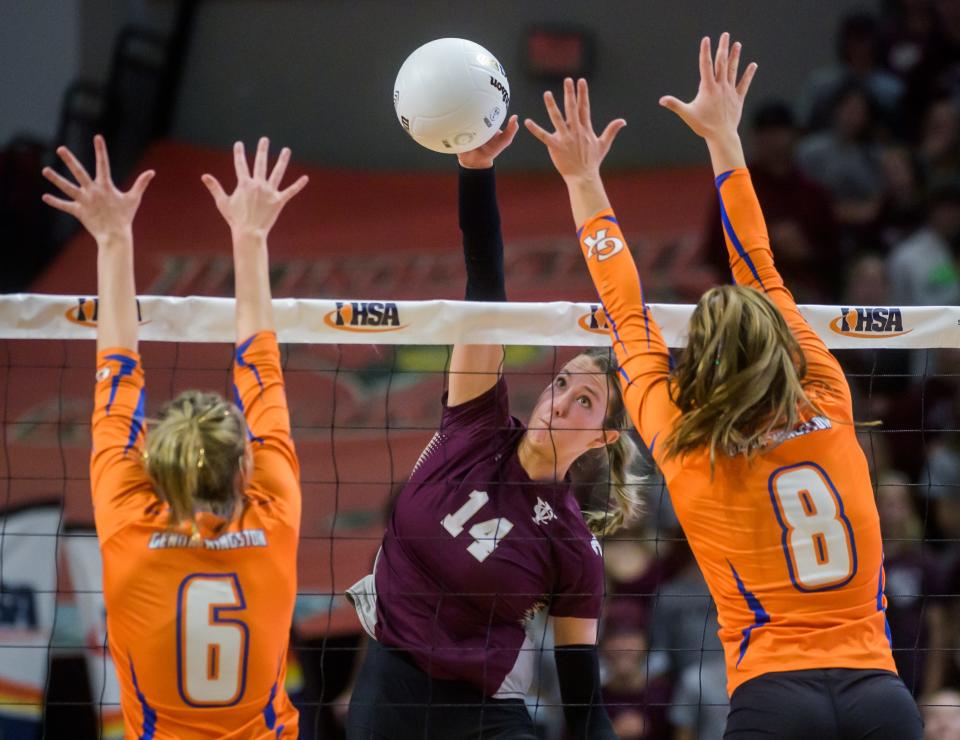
[(789, 541), (198, 631)]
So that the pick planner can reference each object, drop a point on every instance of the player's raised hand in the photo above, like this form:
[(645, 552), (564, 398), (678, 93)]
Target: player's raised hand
[(575, 148), (715, 111), (95, 201), (482, 157), (256, 202)]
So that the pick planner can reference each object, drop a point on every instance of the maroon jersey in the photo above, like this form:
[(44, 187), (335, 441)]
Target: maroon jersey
[(473, 550)]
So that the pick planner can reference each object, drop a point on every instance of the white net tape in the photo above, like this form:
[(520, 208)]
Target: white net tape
[(299, 321)]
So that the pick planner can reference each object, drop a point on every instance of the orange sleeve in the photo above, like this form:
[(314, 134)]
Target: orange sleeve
[(751, 261), (259, 391), (119, 482), (643, 355)]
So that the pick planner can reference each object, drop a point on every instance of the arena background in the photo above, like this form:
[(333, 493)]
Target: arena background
[(173, 84)]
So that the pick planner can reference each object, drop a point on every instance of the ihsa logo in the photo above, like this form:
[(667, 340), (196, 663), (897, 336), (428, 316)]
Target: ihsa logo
[(85, 312), (364, 316), (595, 321), (869, 322)]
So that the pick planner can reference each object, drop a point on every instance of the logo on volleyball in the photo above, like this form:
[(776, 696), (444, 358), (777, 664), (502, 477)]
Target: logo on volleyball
[(595, 321), (601, 246), (85, 312), (869, 322), (365, 316)]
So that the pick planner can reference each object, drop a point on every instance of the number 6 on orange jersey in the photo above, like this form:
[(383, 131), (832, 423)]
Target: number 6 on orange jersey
[(211, 649)]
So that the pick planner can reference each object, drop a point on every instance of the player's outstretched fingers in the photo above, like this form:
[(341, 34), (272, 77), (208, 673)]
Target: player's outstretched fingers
[(583, 105), (67, 187), (141, 184), (570, 103), (290, 192), (103, 159), (280, 168), (240, 162), (734, 63), (610, 133), (746, 80), (260, 161), (539, 133), (216, 190), (723, 56), (706, 63), (73, 164), (67, 206), (553, 110)]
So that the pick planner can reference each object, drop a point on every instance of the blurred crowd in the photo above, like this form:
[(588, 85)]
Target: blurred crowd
[(859, 179)]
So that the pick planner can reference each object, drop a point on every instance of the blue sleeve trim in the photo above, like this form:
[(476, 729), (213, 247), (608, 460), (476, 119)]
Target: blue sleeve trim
[(269, 713), (241, 349), (239, 402), (882, 608), (722, 178), (149, 713), (760, 616), (127, 366), (610, 218), (136, 422), (653, 443), (735, 240)]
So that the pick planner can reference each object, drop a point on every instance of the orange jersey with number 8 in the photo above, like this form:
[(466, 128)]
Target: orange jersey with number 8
[(789, 541), (198, 631)]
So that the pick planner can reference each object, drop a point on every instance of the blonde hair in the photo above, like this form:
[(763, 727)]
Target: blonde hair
[(740, 377), (194, 454), (622, 486)]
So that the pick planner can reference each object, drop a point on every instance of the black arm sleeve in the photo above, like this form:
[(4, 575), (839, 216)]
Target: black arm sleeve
[(578, 668), (482, 240)]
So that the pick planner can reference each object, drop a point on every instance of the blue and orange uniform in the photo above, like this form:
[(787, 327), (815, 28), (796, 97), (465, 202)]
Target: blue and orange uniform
[(198, 627), (789, 540)]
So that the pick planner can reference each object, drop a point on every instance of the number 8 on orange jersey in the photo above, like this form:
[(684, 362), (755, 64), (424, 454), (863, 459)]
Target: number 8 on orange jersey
[(817, 537)]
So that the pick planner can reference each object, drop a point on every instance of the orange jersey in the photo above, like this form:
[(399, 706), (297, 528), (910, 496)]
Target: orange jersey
[(789, 542), (199, 634)]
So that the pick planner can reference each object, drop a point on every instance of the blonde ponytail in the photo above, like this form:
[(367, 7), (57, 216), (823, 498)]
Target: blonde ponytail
[(194, 454)]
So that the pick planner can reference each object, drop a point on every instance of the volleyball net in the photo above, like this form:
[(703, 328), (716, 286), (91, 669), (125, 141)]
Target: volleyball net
[(364, 381)]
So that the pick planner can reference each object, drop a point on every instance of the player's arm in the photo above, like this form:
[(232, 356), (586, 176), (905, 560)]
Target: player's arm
[(117, 427), (578, 671), (251, 211), (714, 114), (577, 152), (475, 368)]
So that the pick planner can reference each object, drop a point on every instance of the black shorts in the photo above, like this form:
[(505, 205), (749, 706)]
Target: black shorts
[(826, 704), (395, 700)]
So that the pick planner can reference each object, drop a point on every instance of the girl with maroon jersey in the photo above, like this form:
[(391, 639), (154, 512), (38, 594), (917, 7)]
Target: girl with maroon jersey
[(487, 532)]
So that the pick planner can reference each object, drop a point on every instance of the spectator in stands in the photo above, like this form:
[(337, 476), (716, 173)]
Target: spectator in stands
[(941, 715), (700, 705), (858, 60), (845, 159), (903, 208), (636, 700), (941, 480), (798, 210), (907, 29), (937, 73), (912, 571), (939, 145), (923, 267)]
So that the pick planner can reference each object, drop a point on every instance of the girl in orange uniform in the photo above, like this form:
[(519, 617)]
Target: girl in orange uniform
[(198, 522), (753, 430)]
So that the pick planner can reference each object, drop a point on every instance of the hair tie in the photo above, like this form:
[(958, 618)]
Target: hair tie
[(201, 458)]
